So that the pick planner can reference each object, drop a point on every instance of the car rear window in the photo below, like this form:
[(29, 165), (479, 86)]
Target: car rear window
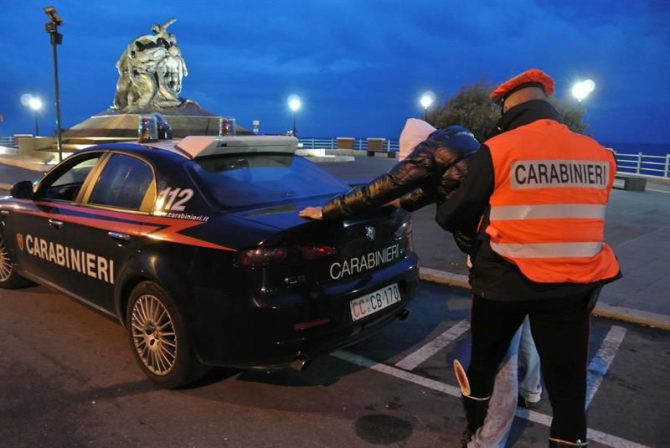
[(240, 180)]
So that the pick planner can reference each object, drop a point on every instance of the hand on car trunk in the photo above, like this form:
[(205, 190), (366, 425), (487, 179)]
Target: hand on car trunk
[(312, 213)]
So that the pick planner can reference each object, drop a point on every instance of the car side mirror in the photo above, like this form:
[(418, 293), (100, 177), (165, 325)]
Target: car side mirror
[(22, 190)]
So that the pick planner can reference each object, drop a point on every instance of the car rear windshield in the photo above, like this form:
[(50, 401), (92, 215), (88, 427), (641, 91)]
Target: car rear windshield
[(241, 180)]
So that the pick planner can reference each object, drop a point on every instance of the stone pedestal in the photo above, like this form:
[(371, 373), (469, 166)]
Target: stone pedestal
[(125, 126), (111, 125)]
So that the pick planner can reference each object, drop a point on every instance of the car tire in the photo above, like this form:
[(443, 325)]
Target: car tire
[(9, 278), (159, 339)]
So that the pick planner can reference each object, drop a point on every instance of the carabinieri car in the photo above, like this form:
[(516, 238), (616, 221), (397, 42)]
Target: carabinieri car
[(196, 247)]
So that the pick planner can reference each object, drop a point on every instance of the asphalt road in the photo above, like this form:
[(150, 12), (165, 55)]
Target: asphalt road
[(9, 175), (68, 379)]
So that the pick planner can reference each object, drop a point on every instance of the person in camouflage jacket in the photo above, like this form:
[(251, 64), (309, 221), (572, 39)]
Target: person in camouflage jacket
[(430, 173)]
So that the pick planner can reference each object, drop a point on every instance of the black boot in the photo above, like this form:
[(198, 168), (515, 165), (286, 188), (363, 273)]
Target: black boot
[(466, 437), (475, 411), (557, 443)]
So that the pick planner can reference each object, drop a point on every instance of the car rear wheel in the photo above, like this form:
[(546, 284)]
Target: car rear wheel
[(159, 339), (9, 278)]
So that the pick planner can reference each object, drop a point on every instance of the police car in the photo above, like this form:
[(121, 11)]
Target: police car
[(196, 247)]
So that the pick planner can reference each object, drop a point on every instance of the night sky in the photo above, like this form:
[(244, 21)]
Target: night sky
[(359, 66)]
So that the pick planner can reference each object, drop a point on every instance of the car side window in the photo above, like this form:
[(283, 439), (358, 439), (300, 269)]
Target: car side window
[(66, 186), (124, 183)]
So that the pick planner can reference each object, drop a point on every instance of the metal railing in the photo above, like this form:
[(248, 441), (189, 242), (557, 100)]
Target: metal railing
[(643, 165), (639, 164), (358, 144), (8, 142)]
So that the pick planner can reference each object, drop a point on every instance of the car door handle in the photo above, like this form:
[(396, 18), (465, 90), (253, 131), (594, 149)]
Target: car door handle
[(119, 237), (55, 224)]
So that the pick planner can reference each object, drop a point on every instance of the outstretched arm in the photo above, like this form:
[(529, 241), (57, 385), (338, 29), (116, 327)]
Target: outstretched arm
[(416, 199), (403, 178)]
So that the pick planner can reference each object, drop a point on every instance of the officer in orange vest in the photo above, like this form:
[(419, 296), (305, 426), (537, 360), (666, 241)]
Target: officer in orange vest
[(535, 199)]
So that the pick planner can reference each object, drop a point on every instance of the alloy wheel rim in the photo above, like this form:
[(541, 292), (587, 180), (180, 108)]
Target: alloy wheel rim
[(5, 263), (154, 335)]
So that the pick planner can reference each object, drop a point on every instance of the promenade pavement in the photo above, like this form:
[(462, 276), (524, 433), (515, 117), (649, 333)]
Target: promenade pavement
[(638, 229)]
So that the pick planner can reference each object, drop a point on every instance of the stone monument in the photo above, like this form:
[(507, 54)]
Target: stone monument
[(151, 70)]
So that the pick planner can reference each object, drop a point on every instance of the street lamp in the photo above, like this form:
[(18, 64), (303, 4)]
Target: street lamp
[(36, 105), (294, 104), (56, 39), (582, 89), (426, 101)]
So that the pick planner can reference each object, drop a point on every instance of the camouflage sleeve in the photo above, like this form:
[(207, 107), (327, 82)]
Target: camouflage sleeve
[(418, 198)]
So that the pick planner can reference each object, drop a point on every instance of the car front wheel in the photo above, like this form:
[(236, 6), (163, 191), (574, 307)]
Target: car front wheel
[(159, 339), (9, 278)]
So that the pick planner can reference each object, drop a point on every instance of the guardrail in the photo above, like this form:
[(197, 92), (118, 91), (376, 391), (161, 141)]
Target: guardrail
[(643, 165)]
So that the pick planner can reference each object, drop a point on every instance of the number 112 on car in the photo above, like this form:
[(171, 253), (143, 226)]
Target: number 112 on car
[(372, 302)]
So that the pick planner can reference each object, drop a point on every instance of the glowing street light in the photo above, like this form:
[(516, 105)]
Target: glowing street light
[(294, 104), (427, 99), (582, 89), (35, 104)]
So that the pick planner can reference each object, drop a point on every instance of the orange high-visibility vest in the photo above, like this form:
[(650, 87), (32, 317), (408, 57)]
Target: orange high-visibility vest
[(547, 210)]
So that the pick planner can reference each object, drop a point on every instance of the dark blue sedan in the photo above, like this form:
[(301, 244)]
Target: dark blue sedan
[(196, 247)]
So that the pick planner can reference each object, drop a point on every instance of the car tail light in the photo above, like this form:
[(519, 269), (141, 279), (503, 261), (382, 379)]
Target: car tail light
[(311, 324), (315, 252), (265, 256), (262, 256)]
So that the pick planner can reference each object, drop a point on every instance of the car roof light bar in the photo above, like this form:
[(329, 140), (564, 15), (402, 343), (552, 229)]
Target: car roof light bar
[(202, 146)]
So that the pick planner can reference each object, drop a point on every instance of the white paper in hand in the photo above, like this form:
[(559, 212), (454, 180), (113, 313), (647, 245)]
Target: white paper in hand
[(414, 132)]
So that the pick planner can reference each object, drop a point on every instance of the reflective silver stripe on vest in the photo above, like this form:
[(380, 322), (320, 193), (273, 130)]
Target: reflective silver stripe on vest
[(547, 250), (515, 212)]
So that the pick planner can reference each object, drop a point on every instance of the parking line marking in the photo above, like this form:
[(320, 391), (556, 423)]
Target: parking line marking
[(535, 417), (429, 383), (601, 362), (411, 361)]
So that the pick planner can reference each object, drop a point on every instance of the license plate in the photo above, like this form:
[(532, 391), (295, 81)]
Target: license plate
[(375, 301)]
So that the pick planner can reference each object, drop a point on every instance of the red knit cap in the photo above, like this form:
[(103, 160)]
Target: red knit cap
[(530, 78)]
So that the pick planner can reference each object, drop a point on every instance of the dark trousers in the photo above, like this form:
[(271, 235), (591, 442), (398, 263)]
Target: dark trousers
[(560, 328)]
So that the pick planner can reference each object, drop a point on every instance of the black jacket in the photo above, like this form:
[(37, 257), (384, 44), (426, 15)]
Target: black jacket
[(491, 276), (431, 173)]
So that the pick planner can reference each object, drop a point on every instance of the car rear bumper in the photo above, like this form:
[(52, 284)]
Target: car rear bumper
[(274, 330)]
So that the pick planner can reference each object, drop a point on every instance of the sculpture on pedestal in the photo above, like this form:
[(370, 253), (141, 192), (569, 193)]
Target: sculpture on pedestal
[(151, 70)]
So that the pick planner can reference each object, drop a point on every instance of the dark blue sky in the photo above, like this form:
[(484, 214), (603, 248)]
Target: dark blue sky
[(359, 65)]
